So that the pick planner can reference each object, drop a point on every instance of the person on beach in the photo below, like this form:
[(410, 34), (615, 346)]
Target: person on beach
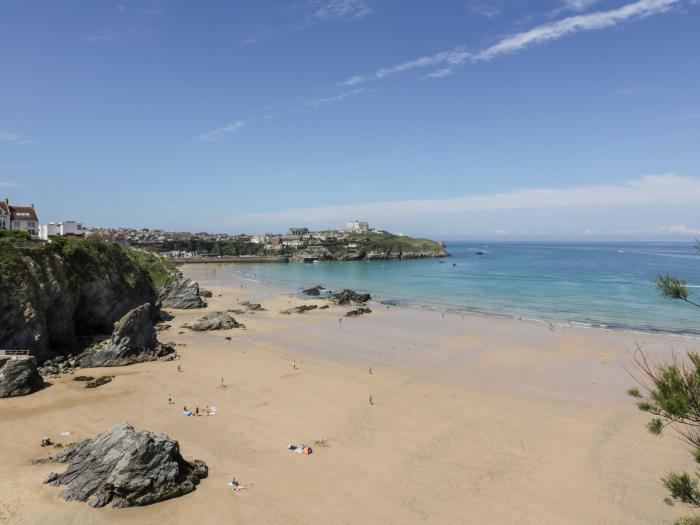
[(196, 411), (371, 401), (179, 368), (222, 382), (294, 364), (340, 321), (370, 369), (551, 327), (170, 399)]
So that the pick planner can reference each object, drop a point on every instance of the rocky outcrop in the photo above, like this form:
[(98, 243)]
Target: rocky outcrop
[(347, 296), (103, 380), (19, 376), (315, 291), (133, 341), (253, 307), (182, 294), (358, 312), (126, 468), (53, 295), (215, 321)]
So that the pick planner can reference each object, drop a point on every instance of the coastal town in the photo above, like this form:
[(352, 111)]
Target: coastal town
[(354, 240)]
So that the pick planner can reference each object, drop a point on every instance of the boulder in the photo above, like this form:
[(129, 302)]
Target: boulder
[(126, 468), (358, 311), (182, 294), (316, 290), (19, 376), (304, 308), (253, 307), (103, 380), (347, 296), (215, 321), (133, 341), (205, 293)]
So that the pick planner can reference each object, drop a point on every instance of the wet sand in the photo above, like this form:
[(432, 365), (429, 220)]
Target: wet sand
[(476, 420)]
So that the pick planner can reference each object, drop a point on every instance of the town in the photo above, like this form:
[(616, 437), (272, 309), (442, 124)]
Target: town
[(354, 240)]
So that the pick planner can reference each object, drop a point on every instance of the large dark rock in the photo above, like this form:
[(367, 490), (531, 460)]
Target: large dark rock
[(358, 312), (315, 291), (126, 468), (19, 376), (182, 294), (347, 296), (215, 321), (133, 341)]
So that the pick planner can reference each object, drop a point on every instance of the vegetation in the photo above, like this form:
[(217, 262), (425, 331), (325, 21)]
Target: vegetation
[(159, 270), (671, 394)]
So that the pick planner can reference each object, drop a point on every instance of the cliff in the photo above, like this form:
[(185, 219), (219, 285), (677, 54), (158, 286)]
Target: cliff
[(54, 297)]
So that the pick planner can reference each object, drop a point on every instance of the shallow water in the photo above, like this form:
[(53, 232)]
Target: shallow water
[(599, 284)]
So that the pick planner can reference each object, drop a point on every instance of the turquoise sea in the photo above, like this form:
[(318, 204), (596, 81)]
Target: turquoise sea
[(599, 284)]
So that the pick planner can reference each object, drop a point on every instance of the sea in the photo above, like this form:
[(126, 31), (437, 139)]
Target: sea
[(606, 285)]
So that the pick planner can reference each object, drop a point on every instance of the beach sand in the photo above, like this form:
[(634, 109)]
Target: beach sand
[(476, 420)]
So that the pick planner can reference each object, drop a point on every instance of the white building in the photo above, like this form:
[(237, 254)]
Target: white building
[(22, 218), (357, 226), (53, 229)]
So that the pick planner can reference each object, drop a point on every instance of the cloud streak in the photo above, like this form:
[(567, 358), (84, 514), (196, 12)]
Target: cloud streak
[(13, 138), (219, 134), (339, 9), (448, 61), (646, 190)]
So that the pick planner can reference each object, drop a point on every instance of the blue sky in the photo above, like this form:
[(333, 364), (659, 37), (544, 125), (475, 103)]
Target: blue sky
[(521, 119)]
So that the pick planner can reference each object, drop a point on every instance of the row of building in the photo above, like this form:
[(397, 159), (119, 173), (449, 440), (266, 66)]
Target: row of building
[(25, 218)]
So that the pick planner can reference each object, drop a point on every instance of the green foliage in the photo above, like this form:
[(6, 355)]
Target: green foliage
[(683, 487), (159, 270), (655, 426), (688, 520), (634, 392), (672, 287), (14, 234)]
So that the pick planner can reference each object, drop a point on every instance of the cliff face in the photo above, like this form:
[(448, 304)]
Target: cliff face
[(53, 294)]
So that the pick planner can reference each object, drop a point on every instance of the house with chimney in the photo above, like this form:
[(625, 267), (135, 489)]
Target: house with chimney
[(22, 218)]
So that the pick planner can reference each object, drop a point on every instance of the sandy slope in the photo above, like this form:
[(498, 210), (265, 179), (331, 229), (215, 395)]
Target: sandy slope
[(477, 420)]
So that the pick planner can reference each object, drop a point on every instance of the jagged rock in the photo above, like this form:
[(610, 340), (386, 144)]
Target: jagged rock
[(126, 468), (19, 376), (215, 321), (102, 380), (304, 308), (316, 290), (182, 294), (324, 307), (358, 311), (347, 296), (83, 378), (133, 341), (205, 293), (49, 370)]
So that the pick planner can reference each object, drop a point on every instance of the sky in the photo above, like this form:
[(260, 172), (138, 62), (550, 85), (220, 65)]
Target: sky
[(452, 119)]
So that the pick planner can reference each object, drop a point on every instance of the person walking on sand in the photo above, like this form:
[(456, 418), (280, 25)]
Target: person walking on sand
[(170, 399), (371, 401), (222, 382), (179, 368), (340, 321), (370, 369)]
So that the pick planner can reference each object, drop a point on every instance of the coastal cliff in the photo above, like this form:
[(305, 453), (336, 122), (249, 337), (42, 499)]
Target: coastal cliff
[(54, 297)]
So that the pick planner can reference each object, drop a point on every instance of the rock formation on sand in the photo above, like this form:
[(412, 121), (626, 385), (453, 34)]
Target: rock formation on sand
[(215, 321), (133, 341), (182, 294), (19, 376), (316, 290), (347, 296), (126, 468), (358, 311)]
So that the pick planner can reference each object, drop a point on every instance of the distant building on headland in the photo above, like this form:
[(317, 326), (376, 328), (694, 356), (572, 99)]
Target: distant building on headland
[(298, 231), (357, 226), (21, 218), (65, 228)]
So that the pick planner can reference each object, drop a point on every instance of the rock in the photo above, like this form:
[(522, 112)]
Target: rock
[(324, 307), (133, 341), (49, 370), (126, 468), (183, 294), (215, 321), (316, 290), (83, 378), (19, 376), (205, 293), (255, 307), (304, 308), (358, 311), (347, 296), (103, 380)]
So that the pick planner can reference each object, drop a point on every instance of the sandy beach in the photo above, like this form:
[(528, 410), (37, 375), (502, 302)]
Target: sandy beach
[(475, 420)]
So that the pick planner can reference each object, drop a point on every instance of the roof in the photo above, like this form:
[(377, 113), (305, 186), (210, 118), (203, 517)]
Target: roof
[(4, 207), (23, 213)]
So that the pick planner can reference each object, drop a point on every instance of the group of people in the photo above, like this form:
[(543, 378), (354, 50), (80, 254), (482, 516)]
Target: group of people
[(208, 411)]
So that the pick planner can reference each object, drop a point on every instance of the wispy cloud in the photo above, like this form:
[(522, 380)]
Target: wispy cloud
[(448, 61), (485, 8), (338, 9), (13, 138), (340, 97), (222, 132), (646, 190), (106, 36)]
